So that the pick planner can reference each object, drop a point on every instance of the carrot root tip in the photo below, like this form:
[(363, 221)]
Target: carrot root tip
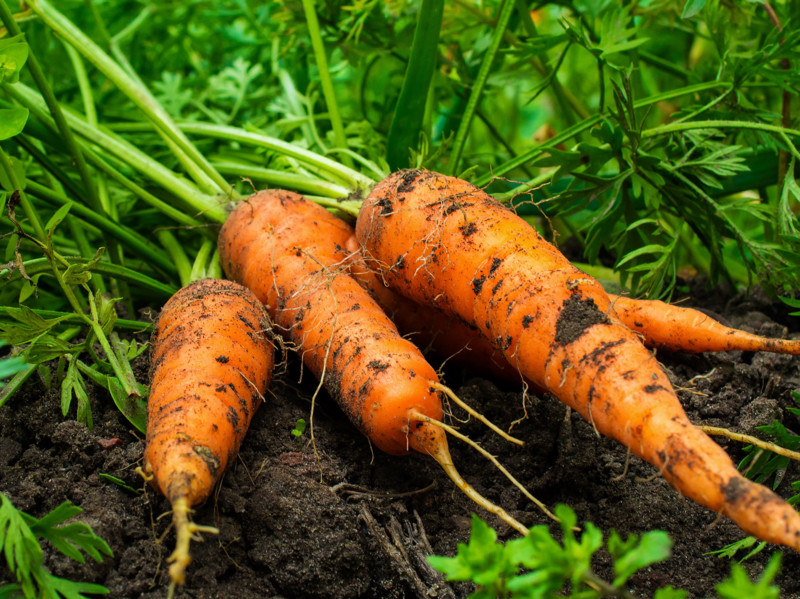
[(185, 531)]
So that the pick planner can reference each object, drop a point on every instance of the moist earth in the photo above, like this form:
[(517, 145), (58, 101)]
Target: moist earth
[(331, 517)]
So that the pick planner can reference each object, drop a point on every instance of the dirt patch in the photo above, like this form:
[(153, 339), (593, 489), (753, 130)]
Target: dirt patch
[(352, 522), (577, 314)]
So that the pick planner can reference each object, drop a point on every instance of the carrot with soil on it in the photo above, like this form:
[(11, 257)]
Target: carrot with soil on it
[(292, 254), (211, 363), (443, 242), (660, 325), (447, 336), (685, 329)]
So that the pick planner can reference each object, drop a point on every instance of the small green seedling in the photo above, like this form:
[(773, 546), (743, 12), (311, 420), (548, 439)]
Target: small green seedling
[(299, 428), (25, 560)]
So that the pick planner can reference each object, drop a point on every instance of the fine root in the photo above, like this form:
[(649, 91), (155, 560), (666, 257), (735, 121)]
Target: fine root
[(474, 413), (185, 532)]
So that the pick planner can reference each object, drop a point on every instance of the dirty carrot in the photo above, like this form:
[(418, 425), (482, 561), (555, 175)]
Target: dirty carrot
[(292, 254), (443, 242), (210, 366), (686, 329), (430, 329)]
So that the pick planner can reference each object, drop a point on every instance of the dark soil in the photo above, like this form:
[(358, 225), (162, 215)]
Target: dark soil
[(347, 521)]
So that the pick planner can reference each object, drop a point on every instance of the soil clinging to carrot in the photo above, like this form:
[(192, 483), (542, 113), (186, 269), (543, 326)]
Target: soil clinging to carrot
[(283, 533), (577, 315)]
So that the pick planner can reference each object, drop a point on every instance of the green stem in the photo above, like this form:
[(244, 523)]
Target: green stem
[(122, 357), (27, 207), (194, 169), (409, 112), (200, 261), (42, 266), (94, 374), (138, 244), (137, 326), (214, 269), (479, 84), (283, 179), (85, 249), (179, 257), (324, 74), (127, 153), (351, 177), (130, 86), (53, 106), (125, 375), (783, 132), (524, 188), (586, 124), (133, 26)]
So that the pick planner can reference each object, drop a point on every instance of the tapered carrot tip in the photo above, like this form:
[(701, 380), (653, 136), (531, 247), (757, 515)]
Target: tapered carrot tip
[(430, 439), (686, 329), (760, 512), (185, 531)]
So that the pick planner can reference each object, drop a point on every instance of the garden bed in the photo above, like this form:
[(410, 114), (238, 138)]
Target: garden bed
[(338, 519)]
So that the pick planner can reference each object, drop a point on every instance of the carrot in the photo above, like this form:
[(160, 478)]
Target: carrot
[(292, 254), (210, 366), (443, 242), (685, 329), (448, 336)]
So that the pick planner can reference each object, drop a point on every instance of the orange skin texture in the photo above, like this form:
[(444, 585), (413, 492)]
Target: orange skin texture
[(685, 329), (291, 253), (211, 363), (445, 243), (448, 336)]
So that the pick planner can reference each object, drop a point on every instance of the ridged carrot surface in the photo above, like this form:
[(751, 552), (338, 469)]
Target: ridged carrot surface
[(430, 329), (211, 363), (443, 242), (291, 253)]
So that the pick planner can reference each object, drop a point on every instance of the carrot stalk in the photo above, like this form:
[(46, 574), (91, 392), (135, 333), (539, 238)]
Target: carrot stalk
[(210, 366), (443, 242), (685, 329)]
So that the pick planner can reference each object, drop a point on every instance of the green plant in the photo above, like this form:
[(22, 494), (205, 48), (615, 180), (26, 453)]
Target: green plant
[(25, 560), (10, 366), (299, 428), (539, 566)]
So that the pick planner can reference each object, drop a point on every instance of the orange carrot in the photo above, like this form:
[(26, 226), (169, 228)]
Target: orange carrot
[(210, 366), (685, 329), (448, 336), (446, 243), (291, 253)]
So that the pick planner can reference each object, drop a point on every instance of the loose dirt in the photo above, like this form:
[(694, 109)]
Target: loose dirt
[(339, 520)]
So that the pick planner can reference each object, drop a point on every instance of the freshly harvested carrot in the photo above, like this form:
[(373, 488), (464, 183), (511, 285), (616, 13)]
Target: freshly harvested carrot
[(211, 363), (292, 254), (443, 242), (685, 329), (448, 336)]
